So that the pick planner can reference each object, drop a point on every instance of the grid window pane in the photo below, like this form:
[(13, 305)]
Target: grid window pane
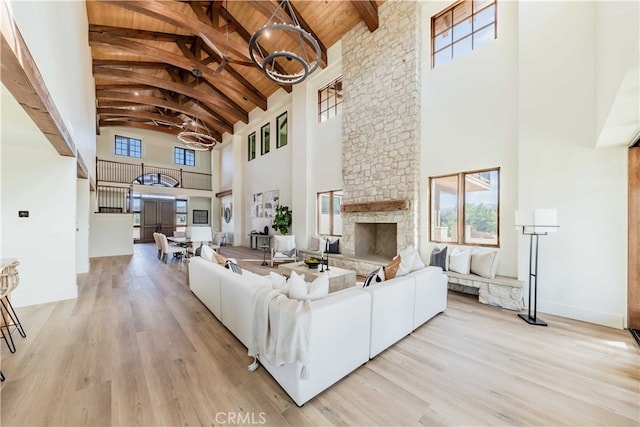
[(282, 129), (129, 147), (442, 57), (329, 100), (462, 28), (484, 17), (481, 208), (265, 139), (484, 36), (181, 219), (444, 209), (251, 142), (181, 206), (462, 47), (465, 208), (329, 213), (184, 156)]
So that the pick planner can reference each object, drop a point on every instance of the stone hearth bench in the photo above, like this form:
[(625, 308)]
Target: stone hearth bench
[(501, 291)]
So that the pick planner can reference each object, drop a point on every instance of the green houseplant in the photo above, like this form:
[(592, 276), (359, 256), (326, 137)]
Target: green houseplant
[(282, 219)]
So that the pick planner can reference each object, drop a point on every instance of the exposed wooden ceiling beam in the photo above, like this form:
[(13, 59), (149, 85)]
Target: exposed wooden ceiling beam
[(242, 32), (162, 11), (166, 57), (368, 11), (132, 76), (126, 63), (128, 123), (260, 100), (137, 34), (104, 96), (139, 114), (267, 8)]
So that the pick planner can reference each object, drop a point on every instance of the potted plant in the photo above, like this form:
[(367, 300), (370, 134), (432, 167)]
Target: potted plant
[(282, 219)]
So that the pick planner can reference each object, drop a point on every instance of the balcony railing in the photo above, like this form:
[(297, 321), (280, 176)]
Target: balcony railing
[(112, 199), (130, 173)]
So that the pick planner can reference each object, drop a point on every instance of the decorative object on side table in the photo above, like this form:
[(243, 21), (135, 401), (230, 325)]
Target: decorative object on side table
[(540, 222), (312, 262)]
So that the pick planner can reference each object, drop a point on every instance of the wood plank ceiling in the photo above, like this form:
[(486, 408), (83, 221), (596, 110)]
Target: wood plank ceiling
[(144, 53)]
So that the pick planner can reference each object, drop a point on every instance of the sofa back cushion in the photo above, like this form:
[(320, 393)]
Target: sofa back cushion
[(301, 290)]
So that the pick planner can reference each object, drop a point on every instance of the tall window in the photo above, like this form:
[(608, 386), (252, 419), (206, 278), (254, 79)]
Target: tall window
[(184, 156), (466, 25), (465, 208), (329, 216), (281, 129), (181, 214), (251, 142), (135, 208), (265, 139), (330, 100), (129, 147)]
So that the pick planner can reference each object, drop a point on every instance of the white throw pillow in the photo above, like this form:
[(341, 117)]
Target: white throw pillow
[(484, 263), (314, 243), (417, 262), (460, 260), (409, 261), (319, 288), (279, 282), (301, 290), (284, 243), (207, 253), (297, 286), (322, 244)]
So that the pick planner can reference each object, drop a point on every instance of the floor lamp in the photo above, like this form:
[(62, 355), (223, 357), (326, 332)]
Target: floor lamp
[(534, 224)]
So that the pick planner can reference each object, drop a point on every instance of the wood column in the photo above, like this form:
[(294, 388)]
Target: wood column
[(633, 292)]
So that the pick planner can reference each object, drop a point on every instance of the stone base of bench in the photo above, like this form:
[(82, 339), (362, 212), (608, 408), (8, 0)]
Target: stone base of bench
[(501, 291)]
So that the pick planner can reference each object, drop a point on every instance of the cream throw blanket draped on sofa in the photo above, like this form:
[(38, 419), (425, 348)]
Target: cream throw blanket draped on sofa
[(280, 329)]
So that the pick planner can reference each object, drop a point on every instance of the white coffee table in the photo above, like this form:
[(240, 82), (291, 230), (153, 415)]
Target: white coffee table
[(339, 278)]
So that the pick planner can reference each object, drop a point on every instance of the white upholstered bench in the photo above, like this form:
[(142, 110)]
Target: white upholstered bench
[(501, 291)]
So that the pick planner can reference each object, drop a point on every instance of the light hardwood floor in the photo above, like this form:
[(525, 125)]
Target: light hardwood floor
[(137, 348)]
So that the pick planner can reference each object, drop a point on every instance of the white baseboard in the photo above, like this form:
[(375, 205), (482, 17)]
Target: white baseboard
[(612, 320), (24, 300)]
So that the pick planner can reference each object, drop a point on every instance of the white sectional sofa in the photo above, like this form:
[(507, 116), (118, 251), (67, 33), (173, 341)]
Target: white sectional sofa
[(348, 327)]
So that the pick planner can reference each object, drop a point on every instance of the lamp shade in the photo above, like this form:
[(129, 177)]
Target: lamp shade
[(199, 234), (538, 220)]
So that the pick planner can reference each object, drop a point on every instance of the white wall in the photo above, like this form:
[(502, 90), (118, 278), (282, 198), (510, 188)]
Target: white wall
[(56, 34), (470, 122), (200, 203), (268, 172), (583, 268), (36, 179), (157, 149), (83, 209), (324, 141), (111, 235)]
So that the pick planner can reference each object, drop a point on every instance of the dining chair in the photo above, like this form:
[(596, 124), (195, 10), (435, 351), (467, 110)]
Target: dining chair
[(168, 248)]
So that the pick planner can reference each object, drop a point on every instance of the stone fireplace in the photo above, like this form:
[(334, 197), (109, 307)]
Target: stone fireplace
[(381, 133), (373, 240)]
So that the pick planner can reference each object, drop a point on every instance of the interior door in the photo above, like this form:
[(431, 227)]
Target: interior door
[(633, 265), (158, 215), (149, 220)]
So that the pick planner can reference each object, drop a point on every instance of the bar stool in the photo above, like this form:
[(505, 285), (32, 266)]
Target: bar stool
[(8, 282)]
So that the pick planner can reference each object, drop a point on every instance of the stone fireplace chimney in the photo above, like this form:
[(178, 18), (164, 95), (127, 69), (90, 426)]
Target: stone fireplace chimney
[(381, 130)]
